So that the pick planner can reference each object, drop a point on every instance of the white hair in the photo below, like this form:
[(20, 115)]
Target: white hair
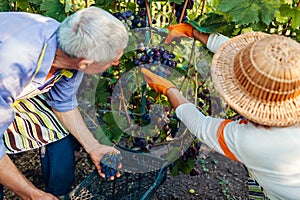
[(92, 33)]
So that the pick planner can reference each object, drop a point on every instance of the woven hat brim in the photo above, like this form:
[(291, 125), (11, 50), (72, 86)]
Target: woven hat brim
[(265, 113)]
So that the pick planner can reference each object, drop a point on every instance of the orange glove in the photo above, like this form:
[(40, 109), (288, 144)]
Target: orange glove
[(179, 30), (158, 83)]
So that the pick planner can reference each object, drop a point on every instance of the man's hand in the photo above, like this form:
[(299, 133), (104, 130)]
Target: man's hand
[(179, 30), (158, 83), (97, 154)]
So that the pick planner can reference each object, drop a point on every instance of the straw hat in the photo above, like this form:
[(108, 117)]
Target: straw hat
[(258, 75)]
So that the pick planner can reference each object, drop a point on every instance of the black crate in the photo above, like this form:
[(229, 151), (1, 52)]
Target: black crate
[(142, 174)]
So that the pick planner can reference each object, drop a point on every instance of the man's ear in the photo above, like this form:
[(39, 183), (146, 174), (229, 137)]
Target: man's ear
[(84, 63)]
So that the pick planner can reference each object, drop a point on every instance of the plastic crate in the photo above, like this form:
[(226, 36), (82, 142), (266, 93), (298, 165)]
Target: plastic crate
[(142, 174)]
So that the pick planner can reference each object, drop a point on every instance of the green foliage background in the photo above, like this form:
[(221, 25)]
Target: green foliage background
[(229, 17)]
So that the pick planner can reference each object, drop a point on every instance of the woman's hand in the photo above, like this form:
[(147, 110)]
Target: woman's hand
[(158, 83), (179, 30)]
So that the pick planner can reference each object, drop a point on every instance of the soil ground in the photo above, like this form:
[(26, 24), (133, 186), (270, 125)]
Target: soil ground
[(220, 178)]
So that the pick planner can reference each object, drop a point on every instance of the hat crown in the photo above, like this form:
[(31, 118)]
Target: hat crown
[(269, 69)]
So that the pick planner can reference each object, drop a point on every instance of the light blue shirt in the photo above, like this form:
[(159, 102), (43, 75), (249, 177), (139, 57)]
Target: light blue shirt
[(22, 38)]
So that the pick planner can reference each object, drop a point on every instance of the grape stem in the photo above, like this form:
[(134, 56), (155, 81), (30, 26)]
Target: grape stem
[(123, 102), (189, 64), (148, 12), (172, 14), (183, 10), (92, 120)]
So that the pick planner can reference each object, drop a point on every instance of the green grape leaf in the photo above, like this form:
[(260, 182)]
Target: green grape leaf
[(36, 2), (242, 12), (176, 1), (101, 97), (246, 12), (4, 5), (268, 9), (198, 27), (101, 135), (175, 170), (116, 134), (218, 24), (188, 166), (101, 93), (108, 119), (54, 9), (104, 4), (294, 13), (131, 6)]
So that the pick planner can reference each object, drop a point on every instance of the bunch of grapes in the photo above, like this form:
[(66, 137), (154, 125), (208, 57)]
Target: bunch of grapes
[(179, 10), (109, 164), (130, 19), (153, 59), (204, 95), (144, 144), (141, 3), (191, 153)]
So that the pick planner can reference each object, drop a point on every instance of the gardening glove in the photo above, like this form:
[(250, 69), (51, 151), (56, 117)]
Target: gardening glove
[(158, 83), (179, 30)]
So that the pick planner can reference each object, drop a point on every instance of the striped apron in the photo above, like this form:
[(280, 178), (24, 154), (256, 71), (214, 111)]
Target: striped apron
[(35, 124)]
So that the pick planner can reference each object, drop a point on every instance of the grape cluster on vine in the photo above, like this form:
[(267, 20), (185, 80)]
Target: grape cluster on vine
[(130, 19), (110, 163), (155, 58), (179, 10), (191, 153), (144, 144)]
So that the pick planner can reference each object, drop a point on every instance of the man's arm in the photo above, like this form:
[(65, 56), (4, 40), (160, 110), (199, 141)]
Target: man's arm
[(73, 121), (11, 178)]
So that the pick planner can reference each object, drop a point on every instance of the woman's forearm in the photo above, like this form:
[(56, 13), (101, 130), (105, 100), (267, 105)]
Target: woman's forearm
[(176, 98), (202, 37)]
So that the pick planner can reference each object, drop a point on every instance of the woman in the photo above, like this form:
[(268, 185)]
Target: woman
[(39, 55), (257, 74)]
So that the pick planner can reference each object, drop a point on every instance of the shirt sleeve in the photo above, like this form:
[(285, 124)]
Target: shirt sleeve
[(215, 41), (21, 44), (62, 96), (7, 116), (203, 127)]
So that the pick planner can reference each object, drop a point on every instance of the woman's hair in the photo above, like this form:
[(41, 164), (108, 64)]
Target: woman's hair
[(92, 33)]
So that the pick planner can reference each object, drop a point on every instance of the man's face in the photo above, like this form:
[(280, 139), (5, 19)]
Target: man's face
[(96, 68)]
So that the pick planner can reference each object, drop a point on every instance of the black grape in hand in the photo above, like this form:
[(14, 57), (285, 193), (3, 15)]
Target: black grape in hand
[(110, 163)]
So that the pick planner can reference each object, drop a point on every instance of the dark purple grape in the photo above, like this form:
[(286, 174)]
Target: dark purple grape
[(136, 61), (172, 55), (165, 55), (110, 163), (143, 58)]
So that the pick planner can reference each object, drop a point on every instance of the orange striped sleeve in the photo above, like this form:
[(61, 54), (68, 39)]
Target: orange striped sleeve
[(221, 140)]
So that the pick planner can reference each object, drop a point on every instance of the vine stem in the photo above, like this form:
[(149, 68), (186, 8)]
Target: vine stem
[(183, 10), (148, 12), (189, 64), (123, 102), (172, 14), (85, 114), (203, 5)]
